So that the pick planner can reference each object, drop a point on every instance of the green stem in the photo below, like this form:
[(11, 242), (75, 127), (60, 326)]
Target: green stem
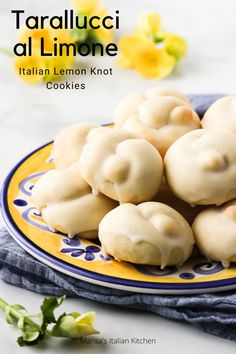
[(6, 51), (15, 313), (158, 39)]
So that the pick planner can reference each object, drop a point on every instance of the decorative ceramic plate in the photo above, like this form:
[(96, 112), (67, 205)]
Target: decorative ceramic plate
[(84, 259)]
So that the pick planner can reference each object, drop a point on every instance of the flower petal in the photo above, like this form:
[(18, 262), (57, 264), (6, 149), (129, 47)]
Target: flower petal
[(175, 45), (128, 47), (86, 6), (149, 23), (154, 62)]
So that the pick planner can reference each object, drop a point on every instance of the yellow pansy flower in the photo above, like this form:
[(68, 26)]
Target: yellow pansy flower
[(86, 7), (150, 50), (153, 62), (175, 45), (128, 47), (149, 23), (142, 54), (75, 325), (47, 62)]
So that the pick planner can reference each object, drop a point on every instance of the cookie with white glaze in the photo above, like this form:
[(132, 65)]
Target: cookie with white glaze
[(149, 233), (114, 162), (69, 143), (215, 233), (200, 167), (68, 205), (162, 91), (157, 117), (129, 105), (221, 115)]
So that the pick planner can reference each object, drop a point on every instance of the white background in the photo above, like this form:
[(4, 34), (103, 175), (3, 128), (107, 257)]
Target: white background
[(32, 115)]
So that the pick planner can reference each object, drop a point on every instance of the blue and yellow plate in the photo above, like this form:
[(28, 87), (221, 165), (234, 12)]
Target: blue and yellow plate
[(84, 259)]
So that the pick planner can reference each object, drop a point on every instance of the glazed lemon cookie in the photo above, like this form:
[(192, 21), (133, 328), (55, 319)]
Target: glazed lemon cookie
[(161, 91), (68, 205), (215, 233), (160, 119), (69, 143), (200, 167), (221, 115), (117, 164), (129, 105), (149, 233)]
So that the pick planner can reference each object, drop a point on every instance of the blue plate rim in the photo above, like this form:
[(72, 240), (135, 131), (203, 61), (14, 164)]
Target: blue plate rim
[(76, 271)]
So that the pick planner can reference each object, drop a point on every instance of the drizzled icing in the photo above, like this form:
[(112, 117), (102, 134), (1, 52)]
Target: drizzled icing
[(68, 204), (160, 116), (221, 115), (200, 167), (153, 223), (69, 143), (215, 232), (119, 165)]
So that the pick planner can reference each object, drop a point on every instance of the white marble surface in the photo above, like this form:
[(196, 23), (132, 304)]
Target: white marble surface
[(31, 115)]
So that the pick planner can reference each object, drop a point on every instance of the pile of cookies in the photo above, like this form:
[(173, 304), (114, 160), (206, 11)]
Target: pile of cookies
[(140, 184)]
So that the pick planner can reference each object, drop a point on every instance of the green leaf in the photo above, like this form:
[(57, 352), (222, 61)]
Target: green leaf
[(158, 39), (20, 341), (31, 336), (73, 325), (33, 333), (80, 35), (48, 307), (29, 339), (75, 314)]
